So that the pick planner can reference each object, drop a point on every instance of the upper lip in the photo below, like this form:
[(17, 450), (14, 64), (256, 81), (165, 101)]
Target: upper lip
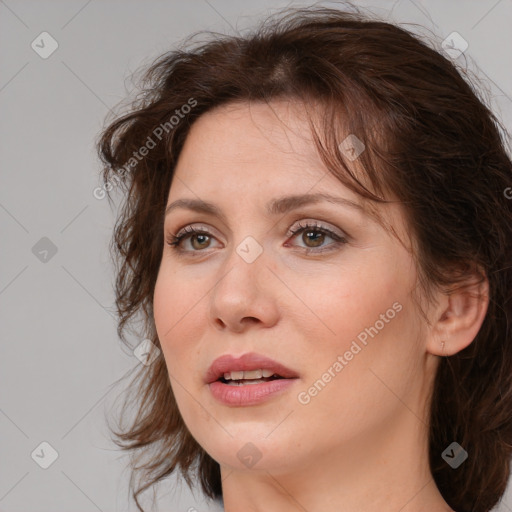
[(246, 362)]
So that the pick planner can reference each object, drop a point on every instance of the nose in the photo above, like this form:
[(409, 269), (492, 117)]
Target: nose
[(244, 294)]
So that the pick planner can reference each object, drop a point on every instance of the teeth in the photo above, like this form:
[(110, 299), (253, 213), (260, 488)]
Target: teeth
[(252, 374), (243, 383)]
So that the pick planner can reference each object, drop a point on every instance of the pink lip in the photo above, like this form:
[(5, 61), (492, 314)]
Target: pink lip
[(246, 362), (247, 394)]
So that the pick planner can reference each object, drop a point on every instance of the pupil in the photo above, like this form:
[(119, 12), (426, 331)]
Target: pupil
[(316, 241), (197, 237)]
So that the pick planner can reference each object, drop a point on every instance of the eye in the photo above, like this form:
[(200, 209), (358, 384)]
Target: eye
[(201, 236), (313, 236)]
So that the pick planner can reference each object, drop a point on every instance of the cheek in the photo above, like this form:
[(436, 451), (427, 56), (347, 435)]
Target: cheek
[(339, 305), (176, 299), (368, 319), (175, 310), (356, 387)]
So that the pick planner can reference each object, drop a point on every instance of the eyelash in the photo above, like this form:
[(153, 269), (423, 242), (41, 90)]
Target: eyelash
[(175, 240)]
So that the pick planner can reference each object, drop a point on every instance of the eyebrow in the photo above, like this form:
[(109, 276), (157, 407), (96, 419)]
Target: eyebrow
[(277, 206)]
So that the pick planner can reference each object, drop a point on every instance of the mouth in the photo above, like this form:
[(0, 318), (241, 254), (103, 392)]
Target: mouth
[(249, 380), (249, 369)]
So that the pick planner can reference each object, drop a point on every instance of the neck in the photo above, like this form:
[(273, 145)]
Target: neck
[(386, 471)]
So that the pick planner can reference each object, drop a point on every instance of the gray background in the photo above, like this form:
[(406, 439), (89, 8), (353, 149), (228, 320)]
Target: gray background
[(59, 351)]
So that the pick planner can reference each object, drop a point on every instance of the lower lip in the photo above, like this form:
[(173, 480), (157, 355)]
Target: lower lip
[(248, 394)]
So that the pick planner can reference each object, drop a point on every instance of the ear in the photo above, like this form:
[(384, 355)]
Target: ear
[(458, 317)]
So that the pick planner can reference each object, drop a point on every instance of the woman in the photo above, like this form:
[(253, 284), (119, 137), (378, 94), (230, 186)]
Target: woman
[(317, 234)]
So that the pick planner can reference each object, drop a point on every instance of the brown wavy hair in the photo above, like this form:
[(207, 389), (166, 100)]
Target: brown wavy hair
[(430, 139)]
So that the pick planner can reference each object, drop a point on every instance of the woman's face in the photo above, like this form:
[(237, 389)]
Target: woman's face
[(333, 306)]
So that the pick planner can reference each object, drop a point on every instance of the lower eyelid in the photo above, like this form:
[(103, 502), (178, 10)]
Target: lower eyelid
[(337, 241), (175, 240)]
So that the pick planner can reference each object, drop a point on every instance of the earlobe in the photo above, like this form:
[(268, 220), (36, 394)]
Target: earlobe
[(459, 318)]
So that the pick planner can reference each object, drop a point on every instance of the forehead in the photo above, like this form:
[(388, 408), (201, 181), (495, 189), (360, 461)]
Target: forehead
[(245, 146), (251, 136), (254, 151)]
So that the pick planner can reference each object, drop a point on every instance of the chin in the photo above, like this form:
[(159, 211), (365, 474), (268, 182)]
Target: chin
[(250, 449)]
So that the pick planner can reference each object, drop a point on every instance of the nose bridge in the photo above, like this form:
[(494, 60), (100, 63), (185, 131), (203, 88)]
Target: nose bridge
[(244, 267), (240, 291), (249, 250)]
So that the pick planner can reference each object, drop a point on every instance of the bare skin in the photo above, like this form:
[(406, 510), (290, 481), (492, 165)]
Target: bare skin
[(360, 443)]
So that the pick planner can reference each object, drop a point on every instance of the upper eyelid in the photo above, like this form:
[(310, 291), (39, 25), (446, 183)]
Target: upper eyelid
[(295, 225), (196, 227), (313, 211)]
